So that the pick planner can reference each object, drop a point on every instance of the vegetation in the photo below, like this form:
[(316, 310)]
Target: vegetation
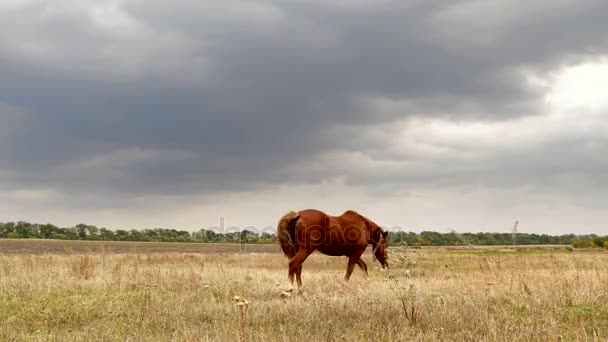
[(426, 295), (26, 230)]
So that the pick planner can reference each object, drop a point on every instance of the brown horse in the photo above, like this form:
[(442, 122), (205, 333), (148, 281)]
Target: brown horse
[(301, 233)]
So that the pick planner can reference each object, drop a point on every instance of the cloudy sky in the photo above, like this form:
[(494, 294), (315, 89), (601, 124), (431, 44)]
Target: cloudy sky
[(420, 114)]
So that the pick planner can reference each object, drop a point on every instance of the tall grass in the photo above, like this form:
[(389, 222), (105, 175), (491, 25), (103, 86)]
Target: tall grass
[(83, 266), (427, 295)]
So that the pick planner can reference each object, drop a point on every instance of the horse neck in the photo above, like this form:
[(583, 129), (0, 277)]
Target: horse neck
[(375, 244), (374, 238)]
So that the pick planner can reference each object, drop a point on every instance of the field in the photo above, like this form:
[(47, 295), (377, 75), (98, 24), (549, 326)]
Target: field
[(78, 291), (33, 246)]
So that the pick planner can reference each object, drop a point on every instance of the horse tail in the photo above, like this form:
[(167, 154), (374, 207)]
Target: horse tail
[(286, 232)]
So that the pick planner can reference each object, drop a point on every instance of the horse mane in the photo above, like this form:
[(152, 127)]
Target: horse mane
[(371, 226)]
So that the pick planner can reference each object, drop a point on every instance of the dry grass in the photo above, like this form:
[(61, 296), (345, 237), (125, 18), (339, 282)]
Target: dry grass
[(426, 295)]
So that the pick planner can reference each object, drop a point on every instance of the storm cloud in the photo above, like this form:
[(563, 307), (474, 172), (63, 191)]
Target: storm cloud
[(127, 106)]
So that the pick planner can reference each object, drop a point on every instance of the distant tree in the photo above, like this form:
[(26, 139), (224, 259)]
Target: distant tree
[(106, 234), (24, 230), (583, 244), (121, 235), (3, 231), (81, 230), (47, 231), (267, 238), (599, 241)]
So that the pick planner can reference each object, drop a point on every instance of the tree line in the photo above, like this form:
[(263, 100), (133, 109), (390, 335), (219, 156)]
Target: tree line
[(26, 230)]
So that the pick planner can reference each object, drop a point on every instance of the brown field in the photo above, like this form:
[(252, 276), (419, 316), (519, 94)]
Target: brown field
[(34, 246), (79, 291)]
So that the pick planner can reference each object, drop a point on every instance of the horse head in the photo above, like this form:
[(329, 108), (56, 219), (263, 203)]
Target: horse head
[(378, 239), (380, 247)]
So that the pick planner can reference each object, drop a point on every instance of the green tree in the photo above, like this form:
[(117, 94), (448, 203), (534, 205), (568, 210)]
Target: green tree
[(24, 230)]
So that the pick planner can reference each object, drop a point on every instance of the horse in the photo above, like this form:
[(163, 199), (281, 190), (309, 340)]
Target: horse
[(303, 232)]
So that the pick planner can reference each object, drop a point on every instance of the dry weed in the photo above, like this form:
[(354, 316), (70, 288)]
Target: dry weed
[(425, 296)]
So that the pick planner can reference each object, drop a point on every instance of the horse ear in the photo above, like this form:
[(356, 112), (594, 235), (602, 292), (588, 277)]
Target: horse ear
[(385, 234)]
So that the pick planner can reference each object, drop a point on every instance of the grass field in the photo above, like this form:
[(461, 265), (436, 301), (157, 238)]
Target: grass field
[(169, 292)]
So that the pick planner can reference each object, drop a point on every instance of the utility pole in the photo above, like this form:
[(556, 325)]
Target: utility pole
[(514, 233)]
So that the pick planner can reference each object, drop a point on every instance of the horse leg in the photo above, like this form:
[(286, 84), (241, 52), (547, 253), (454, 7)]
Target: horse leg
[(291, 280), (299, 276), (352, 261), (295, 266), (363, 266)]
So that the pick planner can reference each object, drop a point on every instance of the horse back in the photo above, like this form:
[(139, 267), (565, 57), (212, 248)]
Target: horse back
[(318, 218), (337, 235)]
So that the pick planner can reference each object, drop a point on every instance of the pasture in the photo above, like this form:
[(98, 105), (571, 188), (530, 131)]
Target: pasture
[(60, 290)]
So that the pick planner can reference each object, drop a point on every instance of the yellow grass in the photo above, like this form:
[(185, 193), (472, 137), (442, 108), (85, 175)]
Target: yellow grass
[(426, 295)]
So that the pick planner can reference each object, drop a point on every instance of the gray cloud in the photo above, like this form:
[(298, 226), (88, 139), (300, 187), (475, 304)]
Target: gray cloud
[(136, 97)]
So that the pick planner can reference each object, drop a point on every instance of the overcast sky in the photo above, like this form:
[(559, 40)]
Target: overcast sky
[(422, 115)]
